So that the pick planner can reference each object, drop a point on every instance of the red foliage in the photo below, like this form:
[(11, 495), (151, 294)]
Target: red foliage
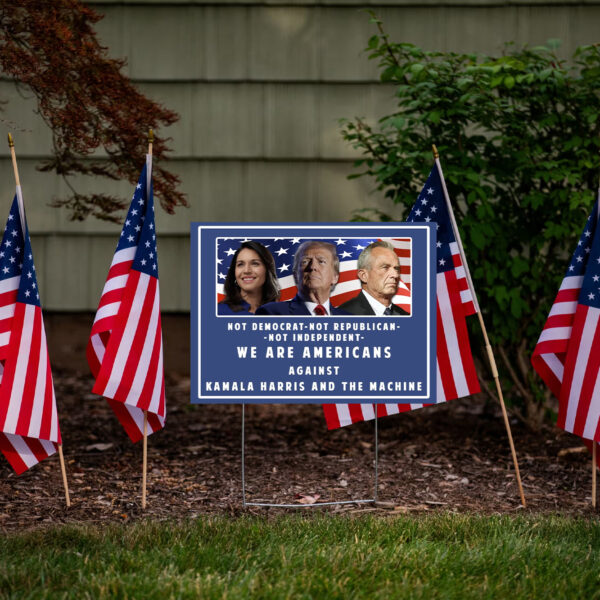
[(51, 48)]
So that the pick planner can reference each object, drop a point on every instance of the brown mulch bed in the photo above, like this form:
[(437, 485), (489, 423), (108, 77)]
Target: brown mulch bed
[(452, 457)]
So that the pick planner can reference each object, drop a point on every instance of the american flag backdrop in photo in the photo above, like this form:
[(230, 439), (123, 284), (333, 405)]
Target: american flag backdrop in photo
[(125, 350), (567, 354), (29, 430), (456, 375), (348, 249)]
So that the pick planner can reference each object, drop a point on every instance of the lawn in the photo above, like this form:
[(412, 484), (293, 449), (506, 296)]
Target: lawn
[(309, 556)]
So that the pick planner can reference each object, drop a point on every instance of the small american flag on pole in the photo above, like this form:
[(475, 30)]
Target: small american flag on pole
[(348, 249), (567, 354), (29, 429), (125, 351), (456, 375)]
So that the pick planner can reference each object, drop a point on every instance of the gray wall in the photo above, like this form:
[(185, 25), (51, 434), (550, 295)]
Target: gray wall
[(259, 87)]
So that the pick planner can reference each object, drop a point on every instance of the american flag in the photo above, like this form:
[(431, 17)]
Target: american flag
[(125, 347), (567, 354), (29, 429), (456, 375), (348, 249)]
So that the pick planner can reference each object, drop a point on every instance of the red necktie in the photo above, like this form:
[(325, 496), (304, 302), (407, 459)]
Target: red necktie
[(320, 310)]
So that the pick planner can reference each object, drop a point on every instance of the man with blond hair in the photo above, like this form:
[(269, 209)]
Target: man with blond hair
[(316, 272)]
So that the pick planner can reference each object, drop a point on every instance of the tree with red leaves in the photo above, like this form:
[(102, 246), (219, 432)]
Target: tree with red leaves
[(51, 49)]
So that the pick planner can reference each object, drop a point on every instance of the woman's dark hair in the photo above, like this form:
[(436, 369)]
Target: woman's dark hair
[(270, 290)]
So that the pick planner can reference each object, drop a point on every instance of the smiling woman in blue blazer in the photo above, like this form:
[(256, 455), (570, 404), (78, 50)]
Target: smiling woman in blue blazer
[(251, 280)]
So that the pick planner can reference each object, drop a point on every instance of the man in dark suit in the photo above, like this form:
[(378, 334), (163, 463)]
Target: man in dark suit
[(316, 271), (378, 269)]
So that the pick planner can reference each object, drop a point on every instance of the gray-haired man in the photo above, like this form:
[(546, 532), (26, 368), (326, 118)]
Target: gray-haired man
[(378, 269)]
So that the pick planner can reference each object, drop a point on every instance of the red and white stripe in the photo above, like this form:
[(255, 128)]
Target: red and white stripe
[(8, 301), (455, 366), (25, 451), (108, 308), (29, 430), (341, 415), (129, 360), (22, 453), (125, 351), (456, 375), (466, 297), (27, 402), (567, 356), (579, 407), (549, 355)]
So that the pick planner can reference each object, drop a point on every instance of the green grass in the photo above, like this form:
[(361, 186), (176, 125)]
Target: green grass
[(316, 556)]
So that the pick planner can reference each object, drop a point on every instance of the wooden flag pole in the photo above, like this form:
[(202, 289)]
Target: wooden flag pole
[(11, 145), (488, 347), (594, 472), (494, 368), (64, 474), (145, 443), (145, 459)]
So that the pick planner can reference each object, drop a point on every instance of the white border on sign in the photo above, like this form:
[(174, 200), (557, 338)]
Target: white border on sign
[(346, 399)]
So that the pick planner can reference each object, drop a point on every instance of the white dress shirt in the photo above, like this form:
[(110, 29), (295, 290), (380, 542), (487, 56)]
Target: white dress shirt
[(312, 305), (377, 307)]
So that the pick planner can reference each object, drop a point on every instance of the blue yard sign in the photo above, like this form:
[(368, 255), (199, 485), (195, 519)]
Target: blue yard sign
[(313, 313)]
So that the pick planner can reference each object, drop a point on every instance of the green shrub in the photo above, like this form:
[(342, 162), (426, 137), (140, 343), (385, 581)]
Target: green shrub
[(518, 136)]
